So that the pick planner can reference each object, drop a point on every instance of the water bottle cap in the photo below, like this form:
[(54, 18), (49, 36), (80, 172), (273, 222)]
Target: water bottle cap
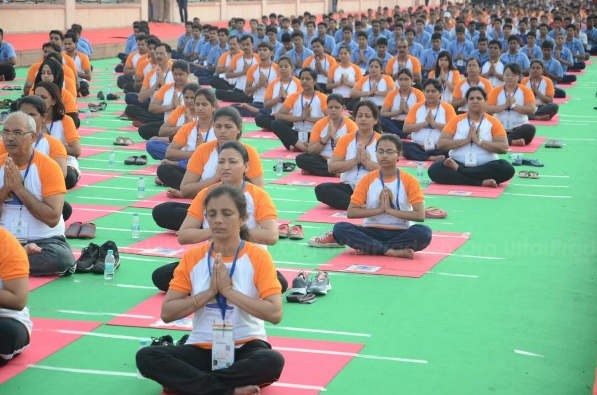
[(110, 252), (143, 342), (135, 214)]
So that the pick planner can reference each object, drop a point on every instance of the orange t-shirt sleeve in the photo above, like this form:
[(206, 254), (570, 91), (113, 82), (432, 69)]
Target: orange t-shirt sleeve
[(342, 146), (416, 64), (549, 89), (361, 82), (148, 78), (318, 128), (182, 135), (250, 74), (162, 91), (412, 188), (359, 195), (222, 60), (269, 91), (200, 157), (497, 129), (255, 167), (70, 105), (411, 117), (455, 77), (70, 86), (196, 210), (358, 72), (390, 66), (290, 100), (264, 206), (389, 82), (33, 71), (85, 64), (457, 94), (419, 95), (493, 95), (389, 100), (14, 262), (529, 96), (176, 114), (351, 126), (487, 84), (332, 71), (182, 274), (51, 174), (265, 278), (57, 149), (452, 125), (450, 112)]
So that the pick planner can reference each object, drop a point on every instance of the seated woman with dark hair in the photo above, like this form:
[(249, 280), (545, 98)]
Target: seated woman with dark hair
[(543, 90), (512, 103), (324, 137), (398, 103), (447, 74), (389, 200), (425, 122), (473, 78), (474, 140), (374, 86)]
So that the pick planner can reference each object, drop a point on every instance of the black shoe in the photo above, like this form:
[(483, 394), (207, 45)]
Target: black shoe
[(87, 259), (182, 340), (162, 341), (98, 267), (100, 95)]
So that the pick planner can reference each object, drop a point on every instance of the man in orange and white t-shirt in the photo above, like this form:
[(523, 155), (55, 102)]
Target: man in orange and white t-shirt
[(239, 66), (15, 324), (32, 193), (81, 61), (404, 60)]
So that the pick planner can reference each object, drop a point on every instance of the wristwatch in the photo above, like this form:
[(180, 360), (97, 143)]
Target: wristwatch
[(481, 141)]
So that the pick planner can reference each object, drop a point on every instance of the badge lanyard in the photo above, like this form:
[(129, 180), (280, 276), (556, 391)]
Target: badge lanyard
[(376, 84), (220, 299), (16, 198), (538, 85), (383, 185), (356, 139), (333, 144), (206, 133), (506, 95), (468, 117), (436, 112), (303, 104)]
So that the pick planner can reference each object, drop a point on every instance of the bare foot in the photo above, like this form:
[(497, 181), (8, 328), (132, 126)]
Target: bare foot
[(489, 183), (158, 182), (249, 107), (359, 252), (305, 172), (450, 163), (518, 143), (437, 157), (32, 249), (247, 390), (407, 253), (300, 147), (542, 117), (173, 193), (169, 162)]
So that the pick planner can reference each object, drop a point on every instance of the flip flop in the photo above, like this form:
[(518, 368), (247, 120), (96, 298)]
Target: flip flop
[(532, 162), (434, 212), (553, 143), (119, 141), (131, 160), (72, 232), (528, 174), (102, 106), (141, 160), (127, 141), (87, 231)]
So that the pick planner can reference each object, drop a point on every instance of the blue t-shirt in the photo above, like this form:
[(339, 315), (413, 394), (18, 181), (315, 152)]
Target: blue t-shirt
[(7, 51)]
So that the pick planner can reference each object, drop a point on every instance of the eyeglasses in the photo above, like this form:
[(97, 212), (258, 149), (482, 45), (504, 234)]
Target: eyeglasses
[(6, 133), (387, 152)]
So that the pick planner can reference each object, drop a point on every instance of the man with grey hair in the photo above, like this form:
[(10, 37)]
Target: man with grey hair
[(32, 191)]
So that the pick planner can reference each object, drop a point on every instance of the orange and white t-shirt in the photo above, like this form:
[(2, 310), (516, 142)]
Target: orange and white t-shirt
[(167, 94), (347, 148), (14, 264), (44, 179), (237, 64), (326, 64), (186, 136), (442, 113), (179, 116), (259, 205), (133, 59), (392, 101), (254, 275), (352, 74), (545, 86), (407, 193), (65, 131), (295, 103), (204, 161), (489, 128), (152, 77), (69, 77), (144, 66), (499, 68), (385, 83), (462, 86), (225, 61), (82, 62), (47, 145), (320, 130), (273, 90), (454, 77), (253, 73), (511, 119), (394, 66)]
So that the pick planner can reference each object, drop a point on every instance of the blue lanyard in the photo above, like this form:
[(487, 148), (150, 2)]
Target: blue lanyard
[(407, 97), (220, 299), (35, 145), (356, 140), (468, 117), (538, 85), (333, 144), (383, 185), (206, 133), (510, 58), (376, 85), (28, 166), (303, 104), (268, 72), (436, 112), (506, 96)]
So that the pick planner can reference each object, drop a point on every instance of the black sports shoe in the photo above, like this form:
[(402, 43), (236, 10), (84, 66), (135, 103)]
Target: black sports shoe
[(162, 341), (98, 267), (100, 95), (87, 259), (182, 340)]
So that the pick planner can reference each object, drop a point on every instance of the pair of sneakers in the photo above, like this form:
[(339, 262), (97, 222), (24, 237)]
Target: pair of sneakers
[(93, 257), (294, 232), (325, 240), (306, 287)]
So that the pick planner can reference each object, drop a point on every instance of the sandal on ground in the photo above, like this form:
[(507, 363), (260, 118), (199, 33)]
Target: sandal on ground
[(87, 231), (532, 162), (141, 160), (300, 298), (283, 231), (112, 96), (131, 160), (528, 174), (11, 88), (553, 143), (72, 232), (434, 212), (119, 141), (126, 141)]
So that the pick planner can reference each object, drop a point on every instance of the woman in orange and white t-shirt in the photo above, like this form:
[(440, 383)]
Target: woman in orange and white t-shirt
[(543, 90), (344, 75), (241, 277), (277, 91), (62, 128), (324, 137), (183, 114), (375, 86), (474, 139), (512, 103), (390, 201), (15, 323), (447, 74), (398, 103), (473, 78), (186, 140), (425, 122), (233, 162)]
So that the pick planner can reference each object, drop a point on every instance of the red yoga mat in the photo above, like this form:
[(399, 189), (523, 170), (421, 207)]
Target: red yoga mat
[(260, 134), (86, 130), (90, 212), (46, 339), (36, 282), (135, 147), (562, 100), (146, 171), (552, 122), (403, 162), (161, 197), (570, 85), (86, 151), (466, 190), (326, 214), (595, 385), (577, 72), (167, 242), (442, 245), (280, 151), (298, 179), (93, 177), (534, 146)]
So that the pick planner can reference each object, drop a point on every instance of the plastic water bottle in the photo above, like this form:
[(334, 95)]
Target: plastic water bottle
[(88, 116), (141, 188), (420, 172), (112, 160), (142, 344), (279, 166), (136, 227), (109, 265)]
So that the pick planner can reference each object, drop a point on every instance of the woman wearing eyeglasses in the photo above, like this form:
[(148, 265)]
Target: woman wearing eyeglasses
[(474, 139), (389, 200)]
